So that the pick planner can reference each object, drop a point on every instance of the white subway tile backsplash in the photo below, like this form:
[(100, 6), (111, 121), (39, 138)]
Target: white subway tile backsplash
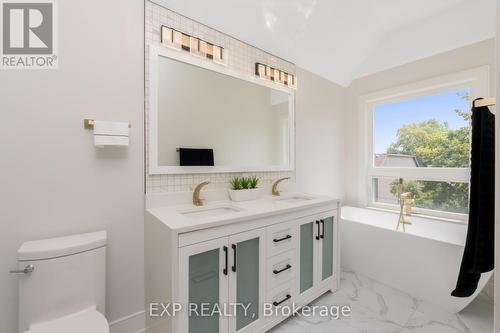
[(242, 57)]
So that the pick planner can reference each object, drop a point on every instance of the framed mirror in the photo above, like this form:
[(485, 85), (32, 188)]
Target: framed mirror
[(205, 118)]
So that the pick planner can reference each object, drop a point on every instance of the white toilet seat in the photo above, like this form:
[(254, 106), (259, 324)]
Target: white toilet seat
[(86, 321)]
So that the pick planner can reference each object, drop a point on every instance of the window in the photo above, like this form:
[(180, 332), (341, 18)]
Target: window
[(422, 135)]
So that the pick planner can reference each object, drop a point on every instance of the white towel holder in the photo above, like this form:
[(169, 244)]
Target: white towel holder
[(89, 124)]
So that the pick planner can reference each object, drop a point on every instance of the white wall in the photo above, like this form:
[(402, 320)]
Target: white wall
[(53, 181), (320, 135)]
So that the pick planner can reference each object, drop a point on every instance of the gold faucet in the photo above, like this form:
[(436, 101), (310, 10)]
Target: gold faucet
[(197, 201), (406, 201), (275, 186), (409, 202)]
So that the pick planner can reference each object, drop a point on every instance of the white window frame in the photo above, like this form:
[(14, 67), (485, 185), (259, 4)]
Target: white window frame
[(477, 80)]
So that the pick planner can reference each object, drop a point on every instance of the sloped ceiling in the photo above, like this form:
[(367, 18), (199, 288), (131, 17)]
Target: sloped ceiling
[(345, 39)]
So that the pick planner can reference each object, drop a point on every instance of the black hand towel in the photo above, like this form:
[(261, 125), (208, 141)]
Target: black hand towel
[(196, 157), (478, 254)]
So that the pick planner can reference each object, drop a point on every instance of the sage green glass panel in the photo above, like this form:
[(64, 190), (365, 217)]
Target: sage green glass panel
[(247, 282), (204, 288), (306, 256), (327, 265)]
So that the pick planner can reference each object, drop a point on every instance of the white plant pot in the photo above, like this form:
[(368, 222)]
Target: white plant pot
[(245, 195)]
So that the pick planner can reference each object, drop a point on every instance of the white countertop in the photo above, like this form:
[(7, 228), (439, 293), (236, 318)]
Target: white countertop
[(247, 210)]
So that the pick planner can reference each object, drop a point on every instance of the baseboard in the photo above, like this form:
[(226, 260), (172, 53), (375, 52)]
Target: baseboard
[(133, 323)]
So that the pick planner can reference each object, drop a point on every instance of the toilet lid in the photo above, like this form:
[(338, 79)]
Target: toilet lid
[(86, 321)]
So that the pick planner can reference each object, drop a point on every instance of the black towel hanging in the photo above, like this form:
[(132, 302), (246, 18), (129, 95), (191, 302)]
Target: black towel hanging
[(479, 249)]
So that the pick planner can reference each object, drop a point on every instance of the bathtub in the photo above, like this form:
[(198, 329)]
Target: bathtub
[(423, 261)]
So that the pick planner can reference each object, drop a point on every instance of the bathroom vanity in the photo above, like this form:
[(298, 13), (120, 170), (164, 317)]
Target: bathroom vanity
[(234, 259), (279, 250)]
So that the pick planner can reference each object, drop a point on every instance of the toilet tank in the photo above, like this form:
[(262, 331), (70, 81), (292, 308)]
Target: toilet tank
[(69, 275)]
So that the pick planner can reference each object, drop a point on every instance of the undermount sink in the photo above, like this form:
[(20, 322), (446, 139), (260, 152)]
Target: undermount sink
[(203, 212), (295, 198)]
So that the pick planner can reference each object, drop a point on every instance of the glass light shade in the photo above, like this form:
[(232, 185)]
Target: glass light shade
[(166, 35), (268, 72), (194, 46), (181, 41), (186, 42), (279, 78), (217, 53), (203, 48), (177, 39), (210, 51), (261, 69), (276, 75)]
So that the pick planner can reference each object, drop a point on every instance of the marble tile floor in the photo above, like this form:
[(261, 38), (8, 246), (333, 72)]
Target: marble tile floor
[(377, 308)]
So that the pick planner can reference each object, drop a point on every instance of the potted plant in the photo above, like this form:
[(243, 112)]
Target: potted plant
[(244, 188)]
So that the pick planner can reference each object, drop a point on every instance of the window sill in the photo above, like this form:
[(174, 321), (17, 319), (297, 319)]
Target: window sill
[(429, 217)]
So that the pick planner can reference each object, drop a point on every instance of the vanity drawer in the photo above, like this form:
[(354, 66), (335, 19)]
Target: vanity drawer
[(281, 269), (280, 238), (283, 295)]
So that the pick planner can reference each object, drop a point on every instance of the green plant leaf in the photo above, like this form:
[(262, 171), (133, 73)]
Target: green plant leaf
[(253, 182), (245, 182), (236, 183)]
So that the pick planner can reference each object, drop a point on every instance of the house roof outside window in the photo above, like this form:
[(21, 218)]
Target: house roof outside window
[(396, 160)]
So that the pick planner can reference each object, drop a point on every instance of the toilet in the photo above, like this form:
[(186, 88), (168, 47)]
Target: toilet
[(62, 284)]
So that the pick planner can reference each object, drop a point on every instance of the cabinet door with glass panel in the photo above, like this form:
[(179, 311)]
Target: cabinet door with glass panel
[(327, 251), (203, 283), (222, 284), (247, 280), (317, 253), (308, 230)]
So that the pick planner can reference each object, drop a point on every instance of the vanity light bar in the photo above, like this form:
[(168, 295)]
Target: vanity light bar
[(180, 41), (276, 75)]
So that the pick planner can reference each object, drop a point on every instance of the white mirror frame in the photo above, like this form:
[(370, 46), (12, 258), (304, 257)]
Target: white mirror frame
[(154, 168)]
